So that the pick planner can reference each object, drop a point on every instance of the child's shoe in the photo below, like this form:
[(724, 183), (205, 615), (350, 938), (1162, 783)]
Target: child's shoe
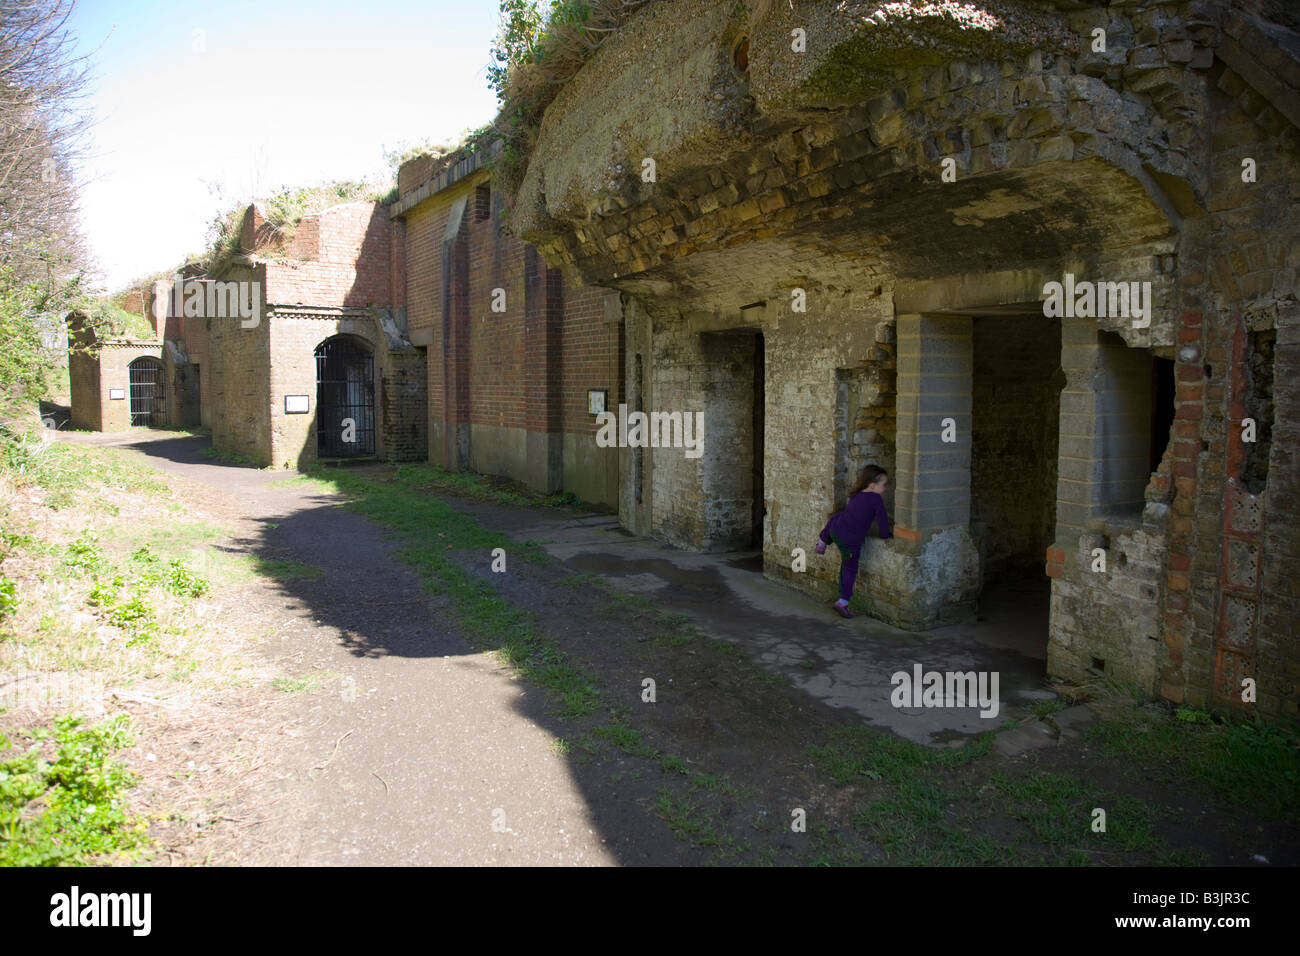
[(843, 609)]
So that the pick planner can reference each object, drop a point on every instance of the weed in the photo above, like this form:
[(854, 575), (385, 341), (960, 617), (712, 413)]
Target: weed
[(183, 582), (295, 685), (8, 597), (286, 569), (672, 763), (1044, 708), (628, 739), (70, 810)]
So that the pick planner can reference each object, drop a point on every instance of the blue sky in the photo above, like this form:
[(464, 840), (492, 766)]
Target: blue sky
[(251, 96)]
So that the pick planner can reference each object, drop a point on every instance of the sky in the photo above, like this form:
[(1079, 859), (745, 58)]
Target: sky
[(247, 97)]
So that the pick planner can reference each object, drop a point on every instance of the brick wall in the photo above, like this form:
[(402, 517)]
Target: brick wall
[(339, 257), (238, 377), (507, 390)]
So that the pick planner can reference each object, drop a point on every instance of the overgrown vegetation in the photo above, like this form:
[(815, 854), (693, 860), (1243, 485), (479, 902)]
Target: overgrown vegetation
[(284, 210), (104, 581), (539, 46), (68, 807), (1245, 763)]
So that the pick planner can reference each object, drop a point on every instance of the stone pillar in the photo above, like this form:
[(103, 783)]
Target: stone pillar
[(1105, 429), (930, 574), (932, 488)]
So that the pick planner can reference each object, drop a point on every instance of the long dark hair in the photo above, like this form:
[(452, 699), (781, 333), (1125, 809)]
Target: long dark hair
[(866, 477)]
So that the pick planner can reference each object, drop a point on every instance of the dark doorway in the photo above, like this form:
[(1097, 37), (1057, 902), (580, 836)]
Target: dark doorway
[(1015, 421), (345, 399), (148, 392), (732, 462)]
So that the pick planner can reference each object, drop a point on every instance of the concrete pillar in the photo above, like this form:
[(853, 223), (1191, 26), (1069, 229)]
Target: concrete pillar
[(932, 487), (1105, 429), (930, 574)]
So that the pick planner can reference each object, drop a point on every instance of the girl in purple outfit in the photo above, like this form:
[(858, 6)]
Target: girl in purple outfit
[(848, 528)]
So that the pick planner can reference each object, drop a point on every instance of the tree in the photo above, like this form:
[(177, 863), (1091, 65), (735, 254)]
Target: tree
[(42, 135)]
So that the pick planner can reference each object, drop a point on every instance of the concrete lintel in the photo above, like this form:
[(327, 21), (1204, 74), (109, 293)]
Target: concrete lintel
[(976, 291)]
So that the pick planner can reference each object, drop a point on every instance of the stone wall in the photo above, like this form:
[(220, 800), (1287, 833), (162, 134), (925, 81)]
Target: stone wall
[(934, 173)]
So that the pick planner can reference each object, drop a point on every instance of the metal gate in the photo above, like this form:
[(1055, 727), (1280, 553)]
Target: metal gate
[(345, 400), (148, 392)]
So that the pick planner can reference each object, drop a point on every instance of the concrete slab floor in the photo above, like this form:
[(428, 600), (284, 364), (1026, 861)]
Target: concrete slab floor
[(846, 663)]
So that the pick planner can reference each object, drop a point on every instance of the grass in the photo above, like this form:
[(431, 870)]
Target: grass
[(304, 684), (68, 807), (228, 457), (110, 585), (1243, 763), (906, 813), (1061, 813), (83, 477), (284, 569), (627, 739)]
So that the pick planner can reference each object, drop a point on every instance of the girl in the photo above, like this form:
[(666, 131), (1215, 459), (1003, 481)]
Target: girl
[(848, 528)]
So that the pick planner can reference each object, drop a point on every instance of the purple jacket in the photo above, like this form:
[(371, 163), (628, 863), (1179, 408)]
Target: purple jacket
[(852, 524)]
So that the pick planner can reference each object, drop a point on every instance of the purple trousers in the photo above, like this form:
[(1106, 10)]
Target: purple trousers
[(848, 565)]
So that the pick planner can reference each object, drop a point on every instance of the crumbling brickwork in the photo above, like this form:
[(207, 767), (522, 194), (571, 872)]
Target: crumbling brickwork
[(898, 171)]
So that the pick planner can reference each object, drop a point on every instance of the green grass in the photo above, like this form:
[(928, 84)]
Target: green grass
[(1245, 764), (921, 807), (70, 475), (303, 684), (1058, 811), (671, 763), (627, 739), (228, 457), (1045, 708), (68, 808), (284, 569), (906, 814)]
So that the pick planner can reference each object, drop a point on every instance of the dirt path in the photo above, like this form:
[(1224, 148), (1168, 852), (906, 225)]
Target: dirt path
[(391, 740), (415, 747)]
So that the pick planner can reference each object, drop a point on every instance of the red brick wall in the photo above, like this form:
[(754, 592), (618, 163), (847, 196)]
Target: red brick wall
[(589, 346), (496, 353), (337, 258), (512, 374)]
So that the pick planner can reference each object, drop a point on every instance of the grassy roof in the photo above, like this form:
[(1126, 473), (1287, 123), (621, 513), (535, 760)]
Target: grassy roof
[(109, 321)]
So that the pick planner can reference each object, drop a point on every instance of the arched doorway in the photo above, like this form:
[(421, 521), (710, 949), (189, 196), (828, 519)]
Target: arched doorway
[(345, 399), (148, 392)]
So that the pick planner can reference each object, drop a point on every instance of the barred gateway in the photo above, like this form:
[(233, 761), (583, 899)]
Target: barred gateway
[(148, 392), (345, 399)]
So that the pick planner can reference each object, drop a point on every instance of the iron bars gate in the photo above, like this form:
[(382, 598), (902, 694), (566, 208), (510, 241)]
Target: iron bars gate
[(345, 399), (148, 392)]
